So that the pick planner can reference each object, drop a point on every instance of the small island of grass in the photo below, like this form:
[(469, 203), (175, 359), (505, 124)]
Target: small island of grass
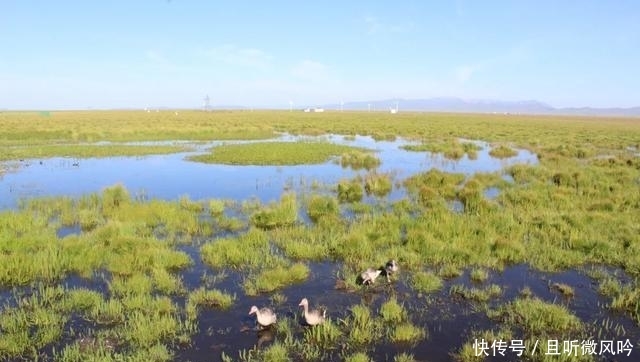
[(273, 153)]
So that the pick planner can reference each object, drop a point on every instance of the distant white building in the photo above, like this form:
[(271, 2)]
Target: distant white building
[(315, 110), (394, 110)]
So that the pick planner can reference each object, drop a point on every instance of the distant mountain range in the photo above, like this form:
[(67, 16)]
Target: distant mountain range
[(451, 104)]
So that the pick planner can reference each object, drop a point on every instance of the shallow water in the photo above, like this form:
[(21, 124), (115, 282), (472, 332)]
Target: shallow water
[(172, 176), (449, 320)]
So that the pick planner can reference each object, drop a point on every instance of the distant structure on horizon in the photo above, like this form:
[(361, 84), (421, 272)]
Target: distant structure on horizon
[(206, 104), (314, 110), (394, 110)]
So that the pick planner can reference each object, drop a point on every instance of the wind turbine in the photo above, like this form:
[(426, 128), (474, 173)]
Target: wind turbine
[(341, 106), (290, 106)]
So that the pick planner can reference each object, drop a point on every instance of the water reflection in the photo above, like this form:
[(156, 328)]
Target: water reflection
[(172, 176)]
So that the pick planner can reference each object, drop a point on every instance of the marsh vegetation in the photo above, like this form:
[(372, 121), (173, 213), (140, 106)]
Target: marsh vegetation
[(117, 274)]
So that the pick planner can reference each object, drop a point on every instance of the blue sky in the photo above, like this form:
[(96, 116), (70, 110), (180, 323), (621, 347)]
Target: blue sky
[(147, 53)]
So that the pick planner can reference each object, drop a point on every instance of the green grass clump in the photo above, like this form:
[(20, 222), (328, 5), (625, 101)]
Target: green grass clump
[(165, 282), (426, 282), (246, 251), (564, 289), (451, 149), (392, 312), (407, 333), (358, 357), (442, 184), (627, 299), (272, 153), (502, 151), (81, 299), (275, 353), (324, 335), (377, 184), (540, 319), (350, 190), (107, 312), (609, 287), (449, 271), (404, 357), (479, 275), (362, 326), (319, 206), (476, 294), (203, 298), (472, 197), (27, 329), (278, 214), (216, 207), (359, 160), (269, 280), (135, 284), (114, 197), (304, 243), (142, 330)]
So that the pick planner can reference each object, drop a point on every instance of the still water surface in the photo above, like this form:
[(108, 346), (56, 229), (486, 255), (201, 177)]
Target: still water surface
[(172, 176)]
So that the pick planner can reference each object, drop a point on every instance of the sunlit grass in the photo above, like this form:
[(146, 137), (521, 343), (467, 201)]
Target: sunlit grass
[(574, 208), (284, 212), (272, 279), (538, 318), (476, 294), (272, 153), (358, 159), (407, 333), (377, 184), (85, 151), (350, 190), (451, 148), (502, 151), (426, 282), (322, 207), (203, 298), (363, 327)]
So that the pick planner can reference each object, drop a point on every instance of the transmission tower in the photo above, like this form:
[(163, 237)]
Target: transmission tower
[(206, 104)]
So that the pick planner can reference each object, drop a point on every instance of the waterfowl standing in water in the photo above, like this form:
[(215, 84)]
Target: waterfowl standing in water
[(312, 317), (264, 316)]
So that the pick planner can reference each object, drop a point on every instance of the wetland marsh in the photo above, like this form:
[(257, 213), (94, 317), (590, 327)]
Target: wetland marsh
[(504, 227)]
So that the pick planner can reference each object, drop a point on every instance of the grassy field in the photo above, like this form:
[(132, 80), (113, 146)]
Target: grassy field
[(84, 151), (575, 210), (573, 137)]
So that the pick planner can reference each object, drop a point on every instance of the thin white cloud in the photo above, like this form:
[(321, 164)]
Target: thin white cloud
[(375, 26), (310, 70), (372, 23), (157, 60), (243, 57), (464, 72), (154, 56)]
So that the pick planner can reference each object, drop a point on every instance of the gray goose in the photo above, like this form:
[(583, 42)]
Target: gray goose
[(264, 316), (312, 317)]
